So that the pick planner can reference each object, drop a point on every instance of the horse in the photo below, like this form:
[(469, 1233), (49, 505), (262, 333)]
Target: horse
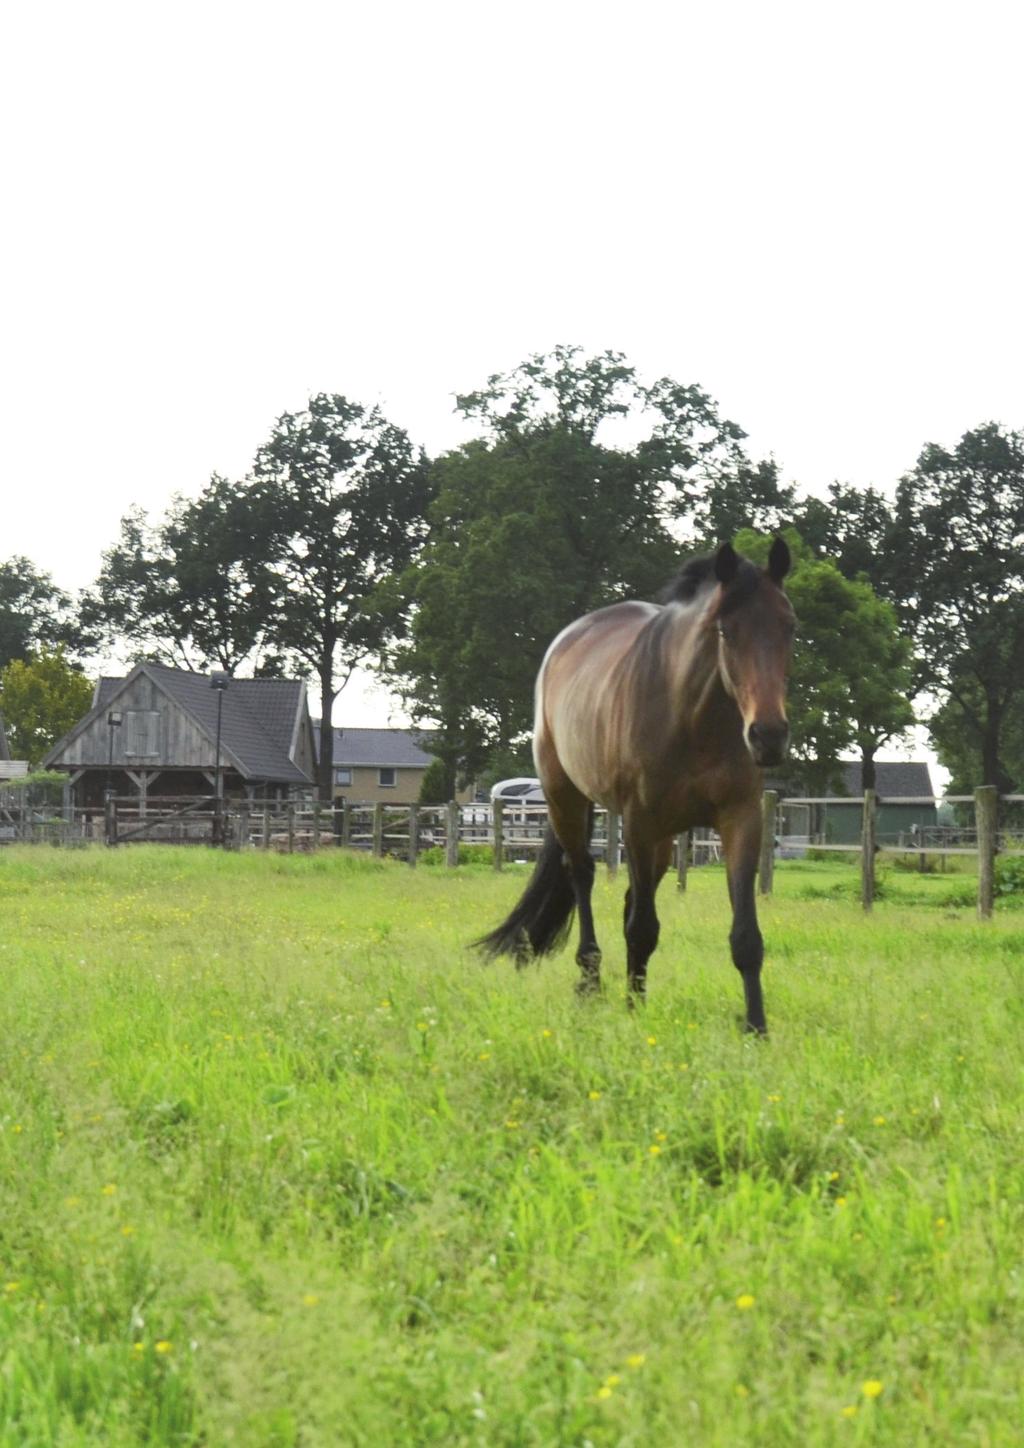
[(665, 713)]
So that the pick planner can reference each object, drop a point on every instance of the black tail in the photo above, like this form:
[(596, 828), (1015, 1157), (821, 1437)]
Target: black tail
[(540, 922)]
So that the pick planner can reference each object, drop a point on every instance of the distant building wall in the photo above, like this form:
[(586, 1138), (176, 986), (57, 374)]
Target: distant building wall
[(365, 786), (843, 820)]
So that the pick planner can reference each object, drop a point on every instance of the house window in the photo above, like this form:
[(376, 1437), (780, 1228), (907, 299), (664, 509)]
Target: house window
[(142, 733), (343, 776), (386, 778)]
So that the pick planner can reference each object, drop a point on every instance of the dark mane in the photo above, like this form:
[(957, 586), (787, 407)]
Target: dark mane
[(696, 573)]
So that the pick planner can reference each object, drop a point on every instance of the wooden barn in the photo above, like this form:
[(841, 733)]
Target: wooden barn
[(154, 732)]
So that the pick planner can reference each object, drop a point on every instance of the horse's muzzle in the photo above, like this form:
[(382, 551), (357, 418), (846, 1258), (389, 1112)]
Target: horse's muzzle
[(768, 744)]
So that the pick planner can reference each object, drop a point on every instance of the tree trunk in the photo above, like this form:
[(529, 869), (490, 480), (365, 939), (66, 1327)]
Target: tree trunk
[(867, 766), (325, 770), (991, 766)]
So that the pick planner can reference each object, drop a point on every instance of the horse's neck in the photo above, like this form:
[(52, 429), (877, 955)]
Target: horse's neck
[(690, 658)]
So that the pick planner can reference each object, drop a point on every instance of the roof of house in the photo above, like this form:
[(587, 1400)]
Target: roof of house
[(898, 779), (258, 726), (392, 748)]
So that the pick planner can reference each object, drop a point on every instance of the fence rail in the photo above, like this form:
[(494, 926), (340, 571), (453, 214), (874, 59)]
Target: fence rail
[(512, 832)]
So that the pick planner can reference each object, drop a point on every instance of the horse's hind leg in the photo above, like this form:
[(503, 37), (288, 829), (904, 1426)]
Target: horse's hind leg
[(647, 864)]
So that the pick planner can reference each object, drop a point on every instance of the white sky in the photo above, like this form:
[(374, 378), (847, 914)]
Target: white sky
[(212, 210)]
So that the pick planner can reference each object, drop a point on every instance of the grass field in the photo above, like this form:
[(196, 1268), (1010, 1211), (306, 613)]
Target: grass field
[(282, 1164)]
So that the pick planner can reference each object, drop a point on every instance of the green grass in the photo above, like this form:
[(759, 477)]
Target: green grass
[(271, 1116)]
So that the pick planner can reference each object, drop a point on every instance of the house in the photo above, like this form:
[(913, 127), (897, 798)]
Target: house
[(155, 732), (838, 820), (385, 765)]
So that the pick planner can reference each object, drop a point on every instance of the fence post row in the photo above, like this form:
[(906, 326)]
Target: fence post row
[(377, 843), (766, 871), (451, 834), (682, 858), (110, 817), (868, 846), (611, 844), (986, 814), (498, 815), (414, 834)]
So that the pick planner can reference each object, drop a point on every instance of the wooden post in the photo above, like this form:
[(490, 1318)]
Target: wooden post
[(346, 824), (378, 830), (867, 851), (986, 813), (682, 851), (316, 826), (110, 817), (769, 805), (498, 818), (291, 827), (414, 834), (451, 835), (265, 842), (611, 846), (244, 825)]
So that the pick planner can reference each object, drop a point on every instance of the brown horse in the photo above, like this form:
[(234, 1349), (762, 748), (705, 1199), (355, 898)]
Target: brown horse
[(664, 714)]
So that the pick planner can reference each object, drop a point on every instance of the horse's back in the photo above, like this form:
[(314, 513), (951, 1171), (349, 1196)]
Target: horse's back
[(579, 704)]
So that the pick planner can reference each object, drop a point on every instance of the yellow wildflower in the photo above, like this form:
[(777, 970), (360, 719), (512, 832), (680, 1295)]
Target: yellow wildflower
[(652, 1040), (594, 1095), (604, 1391), (164, 1346), (310, 1299), (879, 1121), (745, 1301), (850, 1411), (109, 1189), (872, 1388), (11, 1286), (654, 1150), (636, 1360)]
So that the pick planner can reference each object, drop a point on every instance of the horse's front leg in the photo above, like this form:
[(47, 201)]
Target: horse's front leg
[(647, 864), (740, 829)]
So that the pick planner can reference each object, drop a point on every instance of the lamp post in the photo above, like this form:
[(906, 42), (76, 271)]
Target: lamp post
[(113, 722), (219, 680)]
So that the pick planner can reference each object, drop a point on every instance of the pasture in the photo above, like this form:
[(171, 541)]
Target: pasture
[(282, 1164)]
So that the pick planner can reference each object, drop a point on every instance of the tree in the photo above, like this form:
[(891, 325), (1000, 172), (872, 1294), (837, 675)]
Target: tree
[(855, 528), (750, 496), (342, 497), (549, 514), (41, 697), (852, 669), (960, 515), (34, 613), (193, 590)]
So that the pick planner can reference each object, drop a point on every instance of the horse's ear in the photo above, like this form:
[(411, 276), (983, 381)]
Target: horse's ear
[(779, 560), (727, 563)]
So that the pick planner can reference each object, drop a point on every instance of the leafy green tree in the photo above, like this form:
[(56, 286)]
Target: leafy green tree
[(433, 784), (34, 613), (852, 665), (341, 496), (549, 514), (856, 529), (960, 516), (748, 496), (41, 697), (192, 590)]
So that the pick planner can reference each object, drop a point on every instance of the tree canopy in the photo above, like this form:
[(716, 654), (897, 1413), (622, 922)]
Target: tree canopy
[(34, 613), (960, 521), (41, 697)]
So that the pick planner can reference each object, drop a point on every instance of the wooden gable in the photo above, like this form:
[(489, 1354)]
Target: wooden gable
[(155, 733)]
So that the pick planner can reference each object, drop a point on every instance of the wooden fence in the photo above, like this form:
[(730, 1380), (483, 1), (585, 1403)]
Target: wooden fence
[(512, 832)]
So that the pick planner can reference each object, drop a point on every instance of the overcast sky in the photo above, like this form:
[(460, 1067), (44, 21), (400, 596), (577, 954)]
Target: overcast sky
[(212, 210)]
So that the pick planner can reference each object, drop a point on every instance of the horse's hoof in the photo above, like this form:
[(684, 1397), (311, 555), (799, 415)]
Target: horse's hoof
[(589, 987)]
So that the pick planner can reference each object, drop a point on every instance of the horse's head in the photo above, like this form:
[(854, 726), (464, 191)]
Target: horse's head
[(755, 623)]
